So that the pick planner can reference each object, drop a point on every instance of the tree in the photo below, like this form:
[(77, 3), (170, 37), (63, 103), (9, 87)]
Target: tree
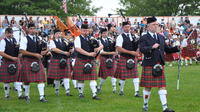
[(46, 7), (161, 7)]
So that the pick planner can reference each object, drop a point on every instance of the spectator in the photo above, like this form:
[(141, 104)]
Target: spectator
[(22, 22), (106, 22), (92, 23), (44, 21), (187, 20), (113, 22), (85, 21), (5, 23), (41, 25), (78, 23), (181, 21), (101, 23)]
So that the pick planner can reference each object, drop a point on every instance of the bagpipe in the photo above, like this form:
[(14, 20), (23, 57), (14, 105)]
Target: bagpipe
[(112, 44), (69, 43), (94, 43), (135, 42)]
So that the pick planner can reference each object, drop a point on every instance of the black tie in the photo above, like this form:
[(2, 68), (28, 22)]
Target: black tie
[(128, 35), (59, 41), (10, 40), (106, 41), (86, 38), (154, 36), (34, 39)]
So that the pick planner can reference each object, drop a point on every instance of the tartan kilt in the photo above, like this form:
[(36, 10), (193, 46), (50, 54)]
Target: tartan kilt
[(78, 70), (169, 57), (188, 52), (105, 72), (176, 56), (4, 75), (27, 76), (147, 79), (122, 72), (140, 57), (55, 72)]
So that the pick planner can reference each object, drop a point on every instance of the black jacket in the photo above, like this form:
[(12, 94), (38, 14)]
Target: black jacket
[(154, 56)]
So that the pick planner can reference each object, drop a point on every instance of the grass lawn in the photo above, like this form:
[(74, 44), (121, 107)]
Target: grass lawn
[(187, 99)]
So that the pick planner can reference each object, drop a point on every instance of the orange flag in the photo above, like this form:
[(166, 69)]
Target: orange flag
[(60, 24), (73, 28)]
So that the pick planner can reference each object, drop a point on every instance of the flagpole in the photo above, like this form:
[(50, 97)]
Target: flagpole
[(179, 64), (179, 69)]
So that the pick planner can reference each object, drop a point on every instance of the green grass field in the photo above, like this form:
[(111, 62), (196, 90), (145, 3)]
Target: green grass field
[(187, 99)]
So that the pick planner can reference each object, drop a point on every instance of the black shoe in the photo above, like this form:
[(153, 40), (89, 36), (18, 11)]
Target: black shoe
[(57, 92), (7, 97), (95, 98), (27, 98), (168, 110), (68, 94), (121, 93), (81, 96), (21, 97), (145, 109), (138, 96), (114, 92), (43, 100), (98, 90)]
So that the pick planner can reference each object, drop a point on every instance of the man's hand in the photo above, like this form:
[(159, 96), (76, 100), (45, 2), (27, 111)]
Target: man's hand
[(38, 56), (155, 46), (66, 53), (14, 58), (92, 54), (134, 53), (96, 50)]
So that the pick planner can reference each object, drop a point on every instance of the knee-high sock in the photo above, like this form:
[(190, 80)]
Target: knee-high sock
[(57, 84), (136, 82), (41, 90), (122, 83), (163, 98), (190, 60), (93, 85), (74, 83), (66, 85), (7, 89), (80, 87), (186, 62), (27, 90), (18, 86), (101, 83), (113, 81), (146, 96)]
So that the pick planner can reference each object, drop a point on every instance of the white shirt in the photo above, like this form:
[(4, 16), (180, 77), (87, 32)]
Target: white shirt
[(52, 44), (3, 45), (198, 41), (119, 40), (77, 42), (153, 34), (23, 43), (184, 43)]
